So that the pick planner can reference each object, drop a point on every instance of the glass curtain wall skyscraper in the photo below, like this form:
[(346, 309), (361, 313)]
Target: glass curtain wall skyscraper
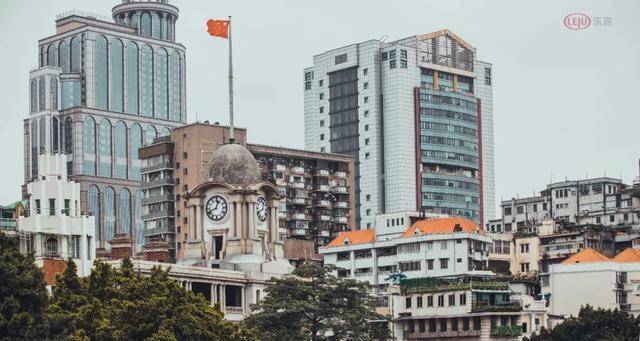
[(408, 111), (103, 88)]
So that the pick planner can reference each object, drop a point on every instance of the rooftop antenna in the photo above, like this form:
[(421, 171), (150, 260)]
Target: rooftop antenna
[(232, 136)]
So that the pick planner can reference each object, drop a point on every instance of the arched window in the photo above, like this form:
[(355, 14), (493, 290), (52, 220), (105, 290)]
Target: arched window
[(120, 143), (162, 84), (136, 143), (93, 204), (51, 55), (55, 137), (134, 20), (34, 147), (63, 56), (89, 146), (76, 54), (102, 75), (163, 28), (68, 135), (109, 222), (176, 87), (41, 95), (105, 148), (155, 25), (139, 225), (43, 56), (145, 24), (43, 134), (34, 95), (165, 131), (53, 92), (132, 78), (146, 81), (125, 211), (117, 76), (150, 134)]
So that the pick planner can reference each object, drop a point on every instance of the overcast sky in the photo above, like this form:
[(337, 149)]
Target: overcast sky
[(563, 100)]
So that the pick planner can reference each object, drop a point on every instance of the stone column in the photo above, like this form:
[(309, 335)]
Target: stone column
[(252, 220), (223, 298), (243, 303), (237, 228), (213, 294), (198, 221)]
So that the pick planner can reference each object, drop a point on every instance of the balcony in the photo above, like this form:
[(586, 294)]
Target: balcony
[(300, 185), (297, 170), (321, 172), (324, 234), (340, 174), (300, 216), (440, 334), (157, 183), (299, 232), (625, 306), (8, 223), (157, 198), (321, 188), (323, 217), (298, 201), (157, 167), (341, 204), (322, 203), (158, 230), (341, 220), (278, 168), (159, 214), (281, 182), (283, 215), (506, 331), (506, 307), (340, 189)]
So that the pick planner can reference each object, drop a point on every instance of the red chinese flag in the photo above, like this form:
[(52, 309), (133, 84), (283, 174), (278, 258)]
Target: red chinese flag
[(218, 28)]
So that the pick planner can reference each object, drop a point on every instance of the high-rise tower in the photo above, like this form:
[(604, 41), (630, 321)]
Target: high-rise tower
[(105, 87), (408, 110)]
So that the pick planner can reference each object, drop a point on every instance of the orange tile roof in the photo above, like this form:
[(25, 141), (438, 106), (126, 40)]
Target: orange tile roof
[(587, 255), (354, 237), (441, 225), (628, 255)]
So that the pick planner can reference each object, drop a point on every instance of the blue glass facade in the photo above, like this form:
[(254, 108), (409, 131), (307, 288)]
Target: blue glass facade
[(162, 84), (102, 74), (132, 78), (117, 75), (146, 81), (449, 145)]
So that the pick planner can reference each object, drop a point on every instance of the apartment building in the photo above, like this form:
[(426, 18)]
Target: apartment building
[(53, 226), (597, 201), (103, 87), (612, 282), (318, 188), (427, 151), (413, 245), (463, 307)]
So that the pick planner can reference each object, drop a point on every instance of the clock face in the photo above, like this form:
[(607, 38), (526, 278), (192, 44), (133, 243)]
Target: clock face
[(217, 208), (262, 209)]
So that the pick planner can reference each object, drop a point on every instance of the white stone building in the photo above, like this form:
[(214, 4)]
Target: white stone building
[(54, 228), (410, 245)]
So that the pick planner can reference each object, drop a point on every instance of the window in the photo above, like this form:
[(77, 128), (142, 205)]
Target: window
[(444, 263), (463, 299), (443, 325), (507, 227), (392, 64), (524, 267), (476, 323), (322, 149), (432, 325), (366, 99), (366, 143), (385, 56), (403, 54), (185, 171), (322, 123), (598, 220), (507, 211), (308, 76), (440, 300), (75, 247), (343, 256), (612, 218), (407, 302), (419, 302), (452, 299), (520, 209), (184, 155), (67, 204), (321, 110), (409, 266), (403, 64), (524, 248), (443, 245), (430, 245), (321, 96), (392, 54), (459, 260), (52, 246), (454, 324), (429, 264), (421, 326), (365, 71), (366, 85), (411, 326), (465, 323), (409, 248), (321, 82), (339, 59), (368, 211), (429, 301), (366, 155), (321, 137), (366, 113), (52, 206)]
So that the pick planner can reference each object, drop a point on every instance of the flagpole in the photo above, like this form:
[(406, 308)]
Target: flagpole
[(231, 132)]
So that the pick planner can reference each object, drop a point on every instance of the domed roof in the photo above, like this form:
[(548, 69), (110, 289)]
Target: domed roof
[(234, 164)]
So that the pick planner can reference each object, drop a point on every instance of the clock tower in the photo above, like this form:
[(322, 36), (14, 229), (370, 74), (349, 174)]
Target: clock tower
[(232, 216)]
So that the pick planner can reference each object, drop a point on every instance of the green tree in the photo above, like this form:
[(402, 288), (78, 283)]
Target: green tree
[(120, 304), (23, 294), (593, 325), (312, 304)]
